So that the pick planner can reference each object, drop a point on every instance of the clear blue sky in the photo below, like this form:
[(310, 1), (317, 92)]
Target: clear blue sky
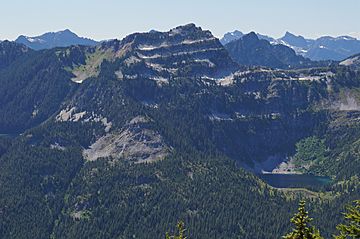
[(105, 19)]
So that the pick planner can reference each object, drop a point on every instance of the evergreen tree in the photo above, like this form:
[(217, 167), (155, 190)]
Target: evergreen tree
[(352, 228), (303, 229), (181, 229)]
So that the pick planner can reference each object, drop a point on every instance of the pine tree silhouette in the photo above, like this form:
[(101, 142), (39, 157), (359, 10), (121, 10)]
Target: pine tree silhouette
[(303, 228)]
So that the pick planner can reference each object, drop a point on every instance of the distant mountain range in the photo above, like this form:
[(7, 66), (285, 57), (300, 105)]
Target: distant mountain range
[(55, 39), (250, 50), (323, 48)]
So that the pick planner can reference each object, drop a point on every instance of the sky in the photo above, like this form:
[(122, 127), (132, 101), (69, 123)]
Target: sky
[(108, 19)]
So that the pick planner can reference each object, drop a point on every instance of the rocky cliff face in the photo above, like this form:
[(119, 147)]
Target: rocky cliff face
[(134, 142), (186, 51)]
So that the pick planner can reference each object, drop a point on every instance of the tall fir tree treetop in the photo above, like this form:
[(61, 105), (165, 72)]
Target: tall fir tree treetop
[(352, 228), (303, 228)]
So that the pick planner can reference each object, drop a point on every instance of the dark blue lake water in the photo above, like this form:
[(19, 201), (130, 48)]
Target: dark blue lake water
[(295, 180)]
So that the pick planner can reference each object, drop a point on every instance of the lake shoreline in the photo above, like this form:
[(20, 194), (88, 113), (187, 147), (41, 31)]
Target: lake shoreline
[(294, 180)]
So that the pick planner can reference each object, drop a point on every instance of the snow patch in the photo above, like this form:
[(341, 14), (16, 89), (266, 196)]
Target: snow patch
[(152, 47), (206, 61), (160, 68), (35, 40), (190, 42)]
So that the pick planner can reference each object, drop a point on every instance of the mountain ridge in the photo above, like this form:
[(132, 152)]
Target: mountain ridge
[(250, 50), (164, 55), (10, 52), (50, 40), (322, 48)]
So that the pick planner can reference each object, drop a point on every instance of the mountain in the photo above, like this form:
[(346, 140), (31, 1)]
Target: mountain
[(265, 37), (236, 35), (252, 51), (55, 39), (295, 41), (10, 52), (231, 36), (334, 48), (123, 139), (321, 49), (34, 86), (186, 51)]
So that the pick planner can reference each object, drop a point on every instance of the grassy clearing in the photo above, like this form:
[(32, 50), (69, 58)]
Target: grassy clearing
[(92, 66)]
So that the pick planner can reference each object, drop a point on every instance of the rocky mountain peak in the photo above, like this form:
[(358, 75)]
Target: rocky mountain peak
[(231, 36), (190, 30), (164, 55), (289, 34), (293, 40), (250, 50), (174, 36), (252, 36)]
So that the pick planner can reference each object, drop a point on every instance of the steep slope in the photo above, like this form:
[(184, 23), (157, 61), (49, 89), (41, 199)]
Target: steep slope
[(32, 90), (10, 52), (55, 39), (135, 143), (250, 50)]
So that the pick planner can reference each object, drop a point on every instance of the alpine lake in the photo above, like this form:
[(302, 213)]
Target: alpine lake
[(295, 180)]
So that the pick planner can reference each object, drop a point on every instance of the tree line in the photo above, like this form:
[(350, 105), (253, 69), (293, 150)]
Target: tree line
[(302, 225)]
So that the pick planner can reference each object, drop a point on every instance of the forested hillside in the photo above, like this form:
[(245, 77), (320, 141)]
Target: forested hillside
[(124, 139)]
